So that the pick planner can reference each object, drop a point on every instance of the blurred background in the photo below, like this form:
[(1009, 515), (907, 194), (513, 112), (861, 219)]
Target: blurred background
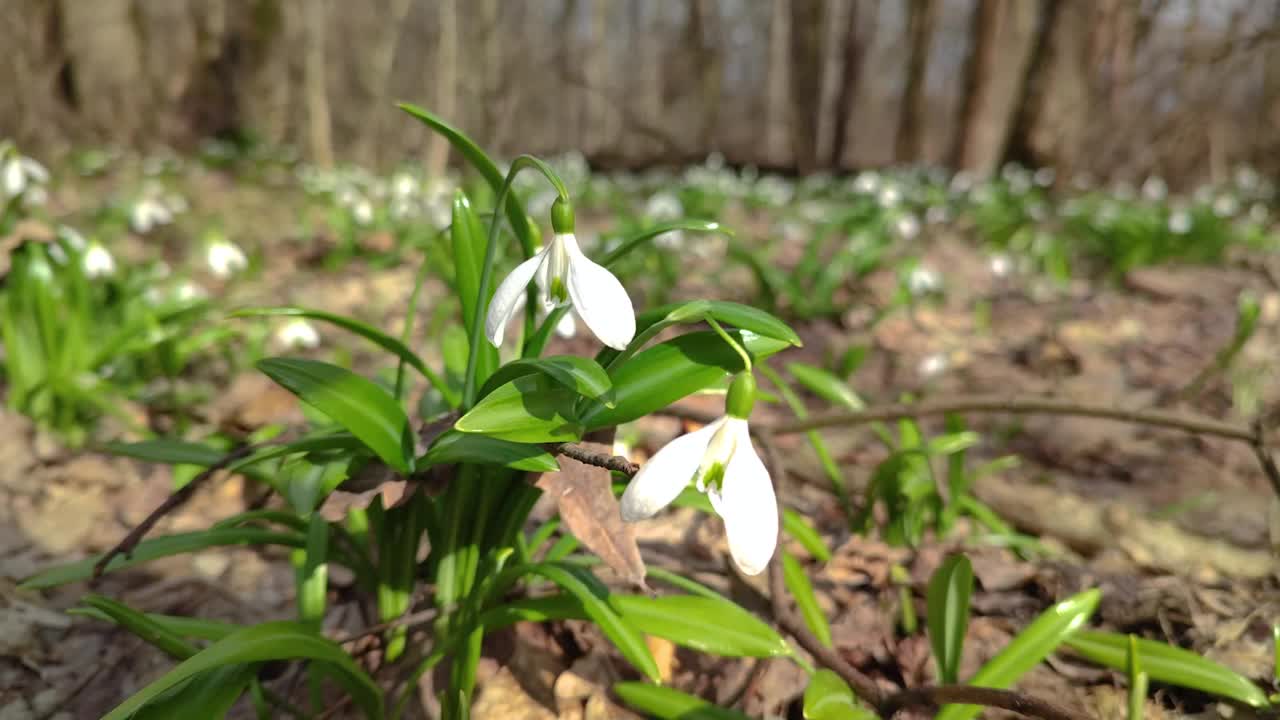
[(1119, 89)]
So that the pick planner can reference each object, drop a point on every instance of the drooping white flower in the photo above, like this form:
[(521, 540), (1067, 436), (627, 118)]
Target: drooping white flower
[(298, 334), (889, 196), (566, 276), (663, 206), (719, 460), (148, 214), (225, 258), (567, 327), (932, 365), (362, 211), (98, 262), (1180, 222), (867, 182), (1001, 265), (188, 291), (1044, 177), (1226, 205), (1155, 189), (20, 172), (906, 227), (923, 280)]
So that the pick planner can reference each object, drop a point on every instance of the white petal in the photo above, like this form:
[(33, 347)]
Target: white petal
[(34, 170), (749, 508), (509, 298), (14, 179), (600, 299), (666, 474)]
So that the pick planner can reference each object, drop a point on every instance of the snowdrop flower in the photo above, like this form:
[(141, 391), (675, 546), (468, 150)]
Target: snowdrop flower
[(867, 182), (1247, 178), (362, 211), (1226, 205), (1044, 177), (19, 172), (720, 461), (1258, 213), (932, 365), (404, 185), (225, 258), (298, 334), (889, 196), (963, 182), (937, 214), (148, 214), (1155, 189), (72, 238), (57, 253), (188, 291), (1001, 265), (906, 227), (566, 276), (923, 281), (1180, 222), (98, 262), (663, 206)]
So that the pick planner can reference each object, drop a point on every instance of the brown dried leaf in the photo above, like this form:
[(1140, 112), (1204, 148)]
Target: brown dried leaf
[(590, 511)]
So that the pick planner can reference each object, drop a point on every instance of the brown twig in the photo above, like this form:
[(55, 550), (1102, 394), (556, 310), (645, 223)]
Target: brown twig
[(1262, 450), (417, 618), (615, 463), (171, 503), (938, 695)]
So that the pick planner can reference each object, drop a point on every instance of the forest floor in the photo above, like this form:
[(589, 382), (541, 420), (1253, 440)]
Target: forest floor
[(1173, 527)]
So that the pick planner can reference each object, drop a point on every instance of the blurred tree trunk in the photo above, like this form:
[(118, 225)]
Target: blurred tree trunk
[(1005, 32), (319, 125), (920, 23), (598, 131), (777, 107), (383, 62), (855, 47), (104, 66), (806, 51), (704, 33), (445, 91), (833, 57), (1057, 120)]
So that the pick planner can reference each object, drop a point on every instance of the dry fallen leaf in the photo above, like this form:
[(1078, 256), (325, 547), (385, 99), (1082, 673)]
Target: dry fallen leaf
[(590, 511)]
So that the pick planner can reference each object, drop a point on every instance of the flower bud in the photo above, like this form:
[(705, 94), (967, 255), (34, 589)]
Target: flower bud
[(741, 396), (562, 216)]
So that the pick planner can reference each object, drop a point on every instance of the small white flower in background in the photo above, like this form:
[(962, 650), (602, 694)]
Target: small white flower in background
[(98, 262), (984, 194), (439, 212), (662, 206), (1155, 189), (1001, 265), (1180, 222), (671, 240), (867, 182), (20, 173), (1226, 205), (962, 182), (225, 258), (298, 334), (889, 196), (1203, 195), (906, 227), (937, 214), (57, 253), (362, 211), (1259, 213), (403, 208), (923, 281), (1247, 178), (404, 185), (932, 365), (1044, 177), (1037, 211), (72, 238), (566, 276), (188, 291), (715, 161), (148, 214), (719, 460)]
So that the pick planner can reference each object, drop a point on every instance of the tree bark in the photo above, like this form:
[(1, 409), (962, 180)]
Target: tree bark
[(920, 24), (445, 91), (319, 124), (806, 51), (850, 73), (777, 96)]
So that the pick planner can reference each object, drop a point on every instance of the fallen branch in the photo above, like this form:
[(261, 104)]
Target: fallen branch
[(590, 457)]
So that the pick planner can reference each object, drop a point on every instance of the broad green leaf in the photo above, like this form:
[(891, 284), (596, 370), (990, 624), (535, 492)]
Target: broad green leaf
[(826, 386), (688, 225), (206, 696), (142, 625), (667, 704), (660, 375), (529, 409), (795, 525), (1029, 648), (952, 443), (262, 643), (159, 547), (622, 634), (701, 623), (1168, 664), (797, 582), (364, 330), (947, 609), (742, 317), (306, 483), (582, 375), (459, 447), (354, 402), (828, 697)]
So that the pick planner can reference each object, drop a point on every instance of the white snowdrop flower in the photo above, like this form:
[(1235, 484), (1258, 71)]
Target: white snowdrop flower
[(1247, 178), (906, 226), (923, 280), (19, 173), (867, 182), (72, 238), (1203, 195), (715, 161), (1259, 213), (57, 253), (148, 214), (1226, 205), (1044, 177), (225, 258), (188, 291), (98, 262), (404, 185), (1037, 211), (889, 196), (403, 208), (670, 240), (1180, 222), (1155, 189), (362, 211), (720, 461), (937, 214), (298, 334), (567, 326), (932, 365), (1001, 265), (774, 190), (440, 213), (962, 182), (662, 206), (564, 275)]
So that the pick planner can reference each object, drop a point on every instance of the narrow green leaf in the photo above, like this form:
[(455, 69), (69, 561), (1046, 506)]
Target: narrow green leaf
[(667, 704), (797, 582), (354, 402), (1137, 681), (364, 330), (459, 447), (825, 385), (795, 525), (701, 623), (688, 225), (468, 239), (140, 624), (183, 627), (660, 375), (947, 609), (261, 643), (828, 697), (529, 409), (1029, 648), (582, 375), (168, 452), (1168, 664), (159, 547), (206, 696), (742, 317)]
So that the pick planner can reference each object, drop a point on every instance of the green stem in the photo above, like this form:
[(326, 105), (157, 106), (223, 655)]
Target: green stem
[(409, 317), (737, 347)]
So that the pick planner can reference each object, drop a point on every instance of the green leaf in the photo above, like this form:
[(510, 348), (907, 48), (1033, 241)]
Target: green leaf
[(1168, 664), (168, 451), (142, 625), (208, 695), (797, 582), (667, 704), (826, 386), (660, 375), (368, 332), (687, 225), (261, 643), (1029, 648), (742, 317), (354, 402), (947, 611), (459, 447), (159, 547), (582, 375), (701, 623), (622, 634), (529, 409), (184, 627), (795, 525), (828, 697), (468, 239)]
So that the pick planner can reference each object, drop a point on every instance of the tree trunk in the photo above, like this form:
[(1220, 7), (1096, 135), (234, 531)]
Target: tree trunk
[(319, 125), (445, 91), (777, 105), (921, 20), (1057, 121), (105, 64), (383, 62), (855, 43), (806, 80)]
